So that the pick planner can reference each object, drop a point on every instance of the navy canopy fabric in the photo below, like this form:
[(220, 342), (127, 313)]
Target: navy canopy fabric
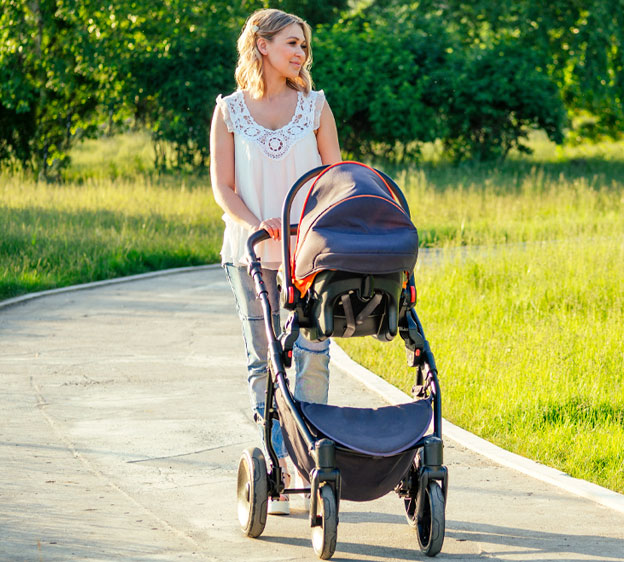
[(351, 222)]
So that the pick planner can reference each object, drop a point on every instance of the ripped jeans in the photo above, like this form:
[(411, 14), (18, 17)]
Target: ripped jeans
[(310, 359)]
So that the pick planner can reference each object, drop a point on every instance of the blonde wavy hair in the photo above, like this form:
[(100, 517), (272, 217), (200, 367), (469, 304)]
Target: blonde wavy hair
[(249, 69)]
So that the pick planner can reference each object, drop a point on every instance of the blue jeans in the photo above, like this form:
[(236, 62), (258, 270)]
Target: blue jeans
[(310, 359)]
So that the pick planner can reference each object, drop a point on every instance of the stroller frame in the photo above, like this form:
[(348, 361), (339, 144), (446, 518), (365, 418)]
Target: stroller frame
[(424, 486)]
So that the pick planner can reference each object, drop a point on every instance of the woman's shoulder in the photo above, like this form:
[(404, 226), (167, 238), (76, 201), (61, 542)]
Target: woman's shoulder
[(315, 102), (230, 107), (315, 94), (227, 99)]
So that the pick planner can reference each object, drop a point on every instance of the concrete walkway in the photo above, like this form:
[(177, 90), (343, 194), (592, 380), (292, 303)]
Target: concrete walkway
[(123, 412)]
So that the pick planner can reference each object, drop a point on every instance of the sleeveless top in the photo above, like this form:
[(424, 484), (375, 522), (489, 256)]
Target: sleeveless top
[(267, 164)]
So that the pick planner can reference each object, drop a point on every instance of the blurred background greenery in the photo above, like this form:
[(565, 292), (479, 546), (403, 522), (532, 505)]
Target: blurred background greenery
[(475, 77)]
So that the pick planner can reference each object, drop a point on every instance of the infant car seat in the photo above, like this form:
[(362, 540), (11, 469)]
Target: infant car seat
[(354, 255)]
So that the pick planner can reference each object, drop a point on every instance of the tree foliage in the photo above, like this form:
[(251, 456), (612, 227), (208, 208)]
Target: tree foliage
[(476, 75), (46, 88), (498, 96), (385, 81), (580, 45), (413, 81)]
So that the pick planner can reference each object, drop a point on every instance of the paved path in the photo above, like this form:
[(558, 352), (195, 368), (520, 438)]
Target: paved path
[(123, 411)]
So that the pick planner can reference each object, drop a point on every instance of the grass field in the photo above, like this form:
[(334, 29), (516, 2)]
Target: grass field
[(111, 220), (526, 329), (528, 342)]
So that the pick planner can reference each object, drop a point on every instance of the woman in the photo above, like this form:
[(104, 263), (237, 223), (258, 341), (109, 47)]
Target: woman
[(263, 137)]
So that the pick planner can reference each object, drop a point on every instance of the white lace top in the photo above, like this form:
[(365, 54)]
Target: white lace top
[(267, 163)]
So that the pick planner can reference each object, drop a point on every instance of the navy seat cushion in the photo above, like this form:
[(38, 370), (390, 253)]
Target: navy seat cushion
[(383, 432)]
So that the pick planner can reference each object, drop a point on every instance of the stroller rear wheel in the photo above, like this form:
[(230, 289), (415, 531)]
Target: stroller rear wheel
[(430, 527), (324, 536), (252, 492)]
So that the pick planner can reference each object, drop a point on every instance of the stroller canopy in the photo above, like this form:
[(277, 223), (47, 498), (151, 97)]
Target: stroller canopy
[(352, 222)]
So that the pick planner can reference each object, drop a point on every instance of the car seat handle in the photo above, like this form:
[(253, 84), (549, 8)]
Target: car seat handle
[(287, 227)]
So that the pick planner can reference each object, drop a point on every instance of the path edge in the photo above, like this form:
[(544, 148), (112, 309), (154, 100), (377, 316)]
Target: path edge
[(104, 283)]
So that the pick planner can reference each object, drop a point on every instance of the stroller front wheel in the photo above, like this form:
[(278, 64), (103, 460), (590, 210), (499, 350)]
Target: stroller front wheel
[(252, 492), (324, 536), (430, 526)]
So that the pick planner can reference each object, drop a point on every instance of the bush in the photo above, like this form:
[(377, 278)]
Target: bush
[(182, 87), (384, 81), (499, 95)]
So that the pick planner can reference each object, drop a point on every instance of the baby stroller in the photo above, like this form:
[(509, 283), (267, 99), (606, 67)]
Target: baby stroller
[(349, 275)]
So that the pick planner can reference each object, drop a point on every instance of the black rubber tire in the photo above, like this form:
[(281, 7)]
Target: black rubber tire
[(430, 527), (324, 536), (252, 492)]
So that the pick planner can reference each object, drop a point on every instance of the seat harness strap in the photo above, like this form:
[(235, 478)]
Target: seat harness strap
[(372, 305), (345, 300)]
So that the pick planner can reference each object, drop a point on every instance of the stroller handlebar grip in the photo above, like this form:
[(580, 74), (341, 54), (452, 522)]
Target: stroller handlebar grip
[(253, 239), (260, 236)]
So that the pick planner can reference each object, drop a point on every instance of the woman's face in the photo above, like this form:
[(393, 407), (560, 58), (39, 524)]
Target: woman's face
[(287, 52)]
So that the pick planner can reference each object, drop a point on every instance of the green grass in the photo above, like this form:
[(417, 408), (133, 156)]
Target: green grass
[(568, 192), (97, 226), (527, 330), (528, 342)]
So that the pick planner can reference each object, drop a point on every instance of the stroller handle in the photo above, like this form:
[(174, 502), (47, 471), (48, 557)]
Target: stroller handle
[(292, 229), (290, 196), (253, 239), (260, 236)]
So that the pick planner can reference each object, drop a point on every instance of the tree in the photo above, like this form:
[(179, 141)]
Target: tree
[(498, 96), (163, 63), (579, 44), (45, 90), (385, 76), (315, 12)]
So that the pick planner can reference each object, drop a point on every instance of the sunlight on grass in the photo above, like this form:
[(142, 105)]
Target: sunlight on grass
[(55, 235), (526, 322), (513, 202), (124, 155), (528, 344)]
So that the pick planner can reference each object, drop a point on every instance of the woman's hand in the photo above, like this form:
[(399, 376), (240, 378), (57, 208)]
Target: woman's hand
[(273, 227)]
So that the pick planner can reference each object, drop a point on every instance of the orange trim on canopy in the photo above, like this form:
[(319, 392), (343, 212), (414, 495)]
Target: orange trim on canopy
[(303, 285)]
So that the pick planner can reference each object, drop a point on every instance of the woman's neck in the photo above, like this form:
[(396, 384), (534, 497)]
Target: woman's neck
[(274, 86)]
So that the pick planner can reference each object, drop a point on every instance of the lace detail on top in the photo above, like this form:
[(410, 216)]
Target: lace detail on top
[(318, 108), (274, 143)]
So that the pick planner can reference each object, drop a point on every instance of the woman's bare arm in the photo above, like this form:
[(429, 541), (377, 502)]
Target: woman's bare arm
[(327, 137), (222, 173)]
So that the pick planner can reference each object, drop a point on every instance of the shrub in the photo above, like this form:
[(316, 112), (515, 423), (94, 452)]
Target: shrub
[(385, 81), (499, 95)]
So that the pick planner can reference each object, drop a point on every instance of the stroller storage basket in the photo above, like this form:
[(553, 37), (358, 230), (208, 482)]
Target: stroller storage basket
[(364, 475)]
